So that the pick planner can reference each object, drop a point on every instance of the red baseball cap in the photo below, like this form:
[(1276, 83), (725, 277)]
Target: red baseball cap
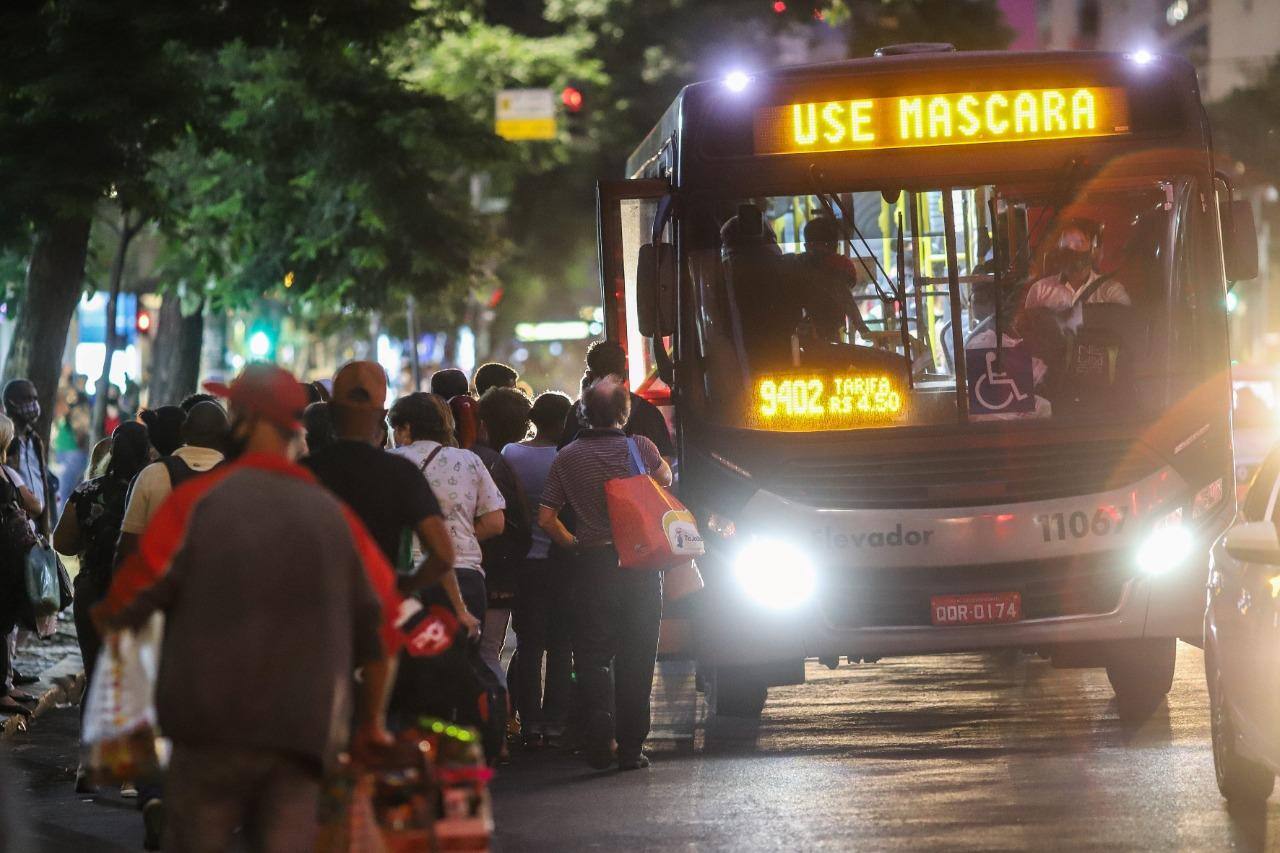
[(265, 390)]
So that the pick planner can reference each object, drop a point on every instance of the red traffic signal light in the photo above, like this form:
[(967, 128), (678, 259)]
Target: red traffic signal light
[(571, 98), (779, 7), (143, 323)]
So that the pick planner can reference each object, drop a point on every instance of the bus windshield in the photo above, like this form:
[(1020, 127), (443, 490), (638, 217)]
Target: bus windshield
[(847, 310)]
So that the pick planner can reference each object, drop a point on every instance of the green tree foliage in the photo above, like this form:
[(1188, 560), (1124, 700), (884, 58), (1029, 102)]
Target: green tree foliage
[(1246, 126), (967, 24), (340, 174)]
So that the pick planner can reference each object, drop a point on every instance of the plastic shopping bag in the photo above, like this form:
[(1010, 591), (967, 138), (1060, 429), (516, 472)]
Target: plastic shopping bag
[(120, 739), (652, 530)]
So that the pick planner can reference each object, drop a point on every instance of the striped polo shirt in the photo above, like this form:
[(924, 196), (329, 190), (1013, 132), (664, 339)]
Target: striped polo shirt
[(581, 469)]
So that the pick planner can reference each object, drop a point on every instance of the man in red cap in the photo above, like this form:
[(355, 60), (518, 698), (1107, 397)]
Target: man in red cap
[(274, 593), (385, 490)]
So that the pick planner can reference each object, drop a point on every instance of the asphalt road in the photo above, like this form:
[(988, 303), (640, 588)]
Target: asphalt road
[(966, 752)]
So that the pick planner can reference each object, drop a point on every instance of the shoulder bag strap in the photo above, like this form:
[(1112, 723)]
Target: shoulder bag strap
[(635, 457), (426, 463)]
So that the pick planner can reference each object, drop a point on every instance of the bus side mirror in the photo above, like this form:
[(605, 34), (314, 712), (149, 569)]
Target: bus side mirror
[(1254, 542), (1239, 240), (656, 290)]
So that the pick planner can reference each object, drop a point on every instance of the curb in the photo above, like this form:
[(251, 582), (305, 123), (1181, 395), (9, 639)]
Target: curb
[(60, 684)]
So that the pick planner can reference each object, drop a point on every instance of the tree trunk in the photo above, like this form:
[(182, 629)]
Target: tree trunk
[(112, 335), (176, 354), (55, 279)]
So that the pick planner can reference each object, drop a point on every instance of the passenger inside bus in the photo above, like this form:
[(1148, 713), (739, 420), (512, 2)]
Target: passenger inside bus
[(826, 282)]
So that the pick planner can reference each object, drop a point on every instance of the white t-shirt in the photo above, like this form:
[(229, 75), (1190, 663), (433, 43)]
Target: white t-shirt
[(465, 491), (153, 486)]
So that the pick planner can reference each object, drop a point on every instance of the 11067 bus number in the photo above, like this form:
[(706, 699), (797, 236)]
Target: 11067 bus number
[(1059, 526)]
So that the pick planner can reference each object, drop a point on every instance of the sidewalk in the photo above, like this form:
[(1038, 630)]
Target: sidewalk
[(56, 661)]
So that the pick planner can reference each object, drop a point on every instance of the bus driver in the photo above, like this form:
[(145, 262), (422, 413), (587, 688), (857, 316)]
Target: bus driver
[(1075, 257)]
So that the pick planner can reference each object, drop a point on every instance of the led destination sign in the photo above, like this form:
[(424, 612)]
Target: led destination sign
[(953, 118), (808, 402)]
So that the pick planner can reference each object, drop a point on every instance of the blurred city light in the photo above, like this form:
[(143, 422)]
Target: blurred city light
[(1142, 56), (259, 344), (736, 81)]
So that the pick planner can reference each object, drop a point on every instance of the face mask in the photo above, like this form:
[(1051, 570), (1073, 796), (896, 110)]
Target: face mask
[(27, 411), (1075, 263)]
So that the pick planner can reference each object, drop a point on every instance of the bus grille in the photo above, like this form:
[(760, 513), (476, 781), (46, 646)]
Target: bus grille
[(1074, 586), (950, 477)]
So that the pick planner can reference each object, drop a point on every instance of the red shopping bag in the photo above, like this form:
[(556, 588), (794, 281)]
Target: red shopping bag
[(652, 531)]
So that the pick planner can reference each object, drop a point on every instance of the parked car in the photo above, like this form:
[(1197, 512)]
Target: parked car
[(1242, 642)]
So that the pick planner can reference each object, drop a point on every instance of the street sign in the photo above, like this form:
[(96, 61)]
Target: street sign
[(524, 114)]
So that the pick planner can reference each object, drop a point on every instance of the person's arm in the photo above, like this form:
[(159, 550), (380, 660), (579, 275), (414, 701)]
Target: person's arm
[(454, 592), (490, 524), (651, 456), (663, 474), (549, 520), (66, 536), (31, 502), (371, 733), (438, 547), (126, 545)]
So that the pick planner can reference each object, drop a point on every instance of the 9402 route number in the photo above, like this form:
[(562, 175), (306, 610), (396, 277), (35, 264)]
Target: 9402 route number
[(1060, 526)]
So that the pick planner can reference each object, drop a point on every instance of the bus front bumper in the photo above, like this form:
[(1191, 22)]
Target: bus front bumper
[(1084, 603)]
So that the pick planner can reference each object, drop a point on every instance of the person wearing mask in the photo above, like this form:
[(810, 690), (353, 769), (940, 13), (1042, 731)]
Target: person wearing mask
[(165, 427), (1075, 259), (542, 609), (204, 433), (607, 358), (473, 511), (28, 459), (88, 530), (618, 611), (13, 491), (264, 627), (385, 491), (495, 374)]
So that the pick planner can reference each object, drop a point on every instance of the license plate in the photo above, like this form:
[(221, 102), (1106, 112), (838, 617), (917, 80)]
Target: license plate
[(980, 608)]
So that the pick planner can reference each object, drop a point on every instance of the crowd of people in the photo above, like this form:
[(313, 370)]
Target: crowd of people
[(282, 527)]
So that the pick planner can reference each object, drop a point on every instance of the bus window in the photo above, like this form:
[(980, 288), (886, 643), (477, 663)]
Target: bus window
[(852, 290)]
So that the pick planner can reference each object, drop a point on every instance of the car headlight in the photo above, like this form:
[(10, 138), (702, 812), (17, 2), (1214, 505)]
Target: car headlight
[(1164, 549), (775, 574)]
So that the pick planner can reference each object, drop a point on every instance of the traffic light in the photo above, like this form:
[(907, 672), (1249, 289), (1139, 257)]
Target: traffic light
[(261, 341), (143, 324), (574, 117)]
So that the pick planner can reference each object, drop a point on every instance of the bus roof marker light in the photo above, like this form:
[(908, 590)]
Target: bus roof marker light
[(1142, 56), (736, 81)]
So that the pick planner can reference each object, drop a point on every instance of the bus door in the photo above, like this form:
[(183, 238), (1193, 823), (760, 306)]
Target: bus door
[(638, 278)]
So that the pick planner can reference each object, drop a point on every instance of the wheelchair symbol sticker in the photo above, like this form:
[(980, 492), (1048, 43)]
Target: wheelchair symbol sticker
[(995, 391)]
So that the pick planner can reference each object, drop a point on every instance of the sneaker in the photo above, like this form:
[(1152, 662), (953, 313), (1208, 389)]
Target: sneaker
[(639, 761), (129, 791), (152, 824)]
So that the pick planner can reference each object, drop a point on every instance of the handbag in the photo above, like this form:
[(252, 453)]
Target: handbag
[(652, 531), (15, 525), (42, 583)]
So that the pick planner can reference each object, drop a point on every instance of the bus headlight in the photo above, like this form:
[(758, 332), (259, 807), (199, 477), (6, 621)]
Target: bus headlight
[(1164, 549), (775, 574)]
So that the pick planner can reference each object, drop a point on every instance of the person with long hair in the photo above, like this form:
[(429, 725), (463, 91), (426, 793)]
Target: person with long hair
[(89, 528)]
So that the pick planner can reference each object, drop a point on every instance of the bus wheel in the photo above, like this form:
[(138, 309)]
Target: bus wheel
[(739, 692), (1239, 779), (1141, 673)]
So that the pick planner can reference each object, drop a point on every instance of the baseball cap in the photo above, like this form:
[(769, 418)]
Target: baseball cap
[(360, 385), (265, 390)]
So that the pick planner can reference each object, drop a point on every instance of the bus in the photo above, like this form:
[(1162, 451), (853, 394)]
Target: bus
[(942, 339)]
